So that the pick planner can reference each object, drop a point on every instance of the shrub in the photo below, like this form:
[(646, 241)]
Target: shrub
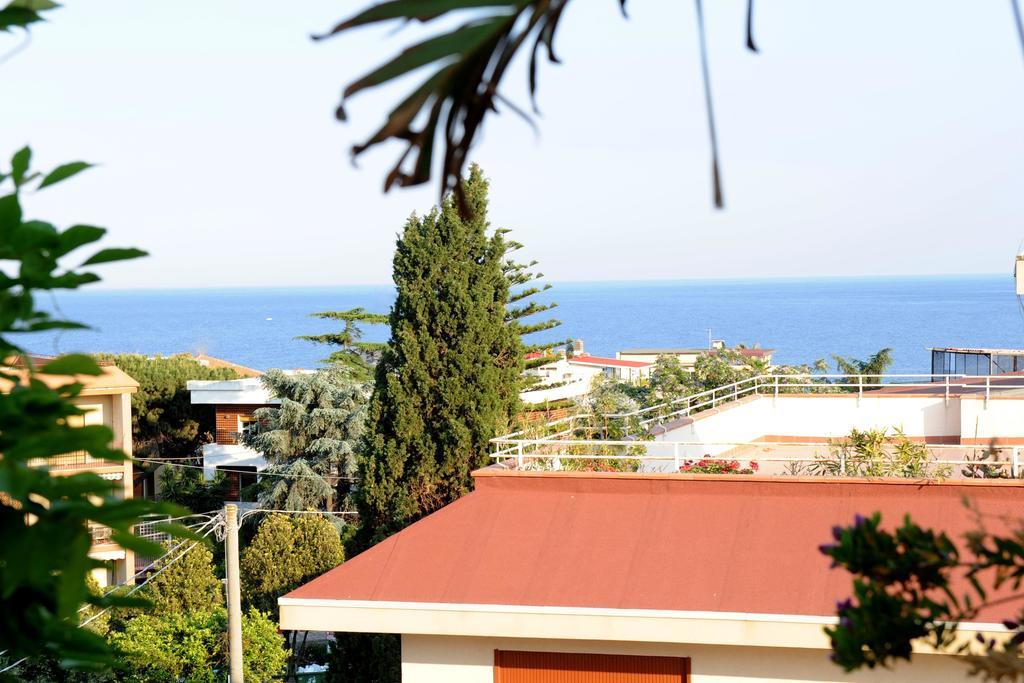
[(709, 465)]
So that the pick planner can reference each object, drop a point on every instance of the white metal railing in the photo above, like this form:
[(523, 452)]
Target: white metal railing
[(565, 431), (821, 383), (553, 453)]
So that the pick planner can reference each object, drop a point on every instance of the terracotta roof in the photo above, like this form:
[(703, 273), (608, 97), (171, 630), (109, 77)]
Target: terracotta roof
[(211, 362), (666, 542), (755, 353), (587, 359), (111, 380)]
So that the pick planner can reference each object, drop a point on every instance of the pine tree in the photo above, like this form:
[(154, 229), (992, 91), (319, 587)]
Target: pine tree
[(522, 281), (449, 378), (311, 438), (355, 354)]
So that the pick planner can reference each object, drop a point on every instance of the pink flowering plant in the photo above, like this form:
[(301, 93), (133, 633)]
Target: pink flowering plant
[(709, 465)]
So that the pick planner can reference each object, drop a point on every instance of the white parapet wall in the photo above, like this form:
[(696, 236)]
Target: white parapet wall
[(234, 455), (968, 419)]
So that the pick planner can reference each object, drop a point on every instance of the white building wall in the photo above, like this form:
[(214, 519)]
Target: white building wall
[(1002, 418), (833, 416), (454, 659), (221, 455)]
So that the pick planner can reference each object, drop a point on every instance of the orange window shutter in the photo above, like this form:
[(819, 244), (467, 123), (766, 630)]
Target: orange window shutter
[(513, 666)]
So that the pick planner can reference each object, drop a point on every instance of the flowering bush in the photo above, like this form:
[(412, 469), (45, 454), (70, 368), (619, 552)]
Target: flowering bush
[(709, 465)]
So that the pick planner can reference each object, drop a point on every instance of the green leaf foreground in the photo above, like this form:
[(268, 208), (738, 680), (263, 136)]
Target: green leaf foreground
[(44, 519), (467, 63)]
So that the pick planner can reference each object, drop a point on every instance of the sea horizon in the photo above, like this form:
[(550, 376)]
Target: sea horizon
[(802, 318), (102, 287)]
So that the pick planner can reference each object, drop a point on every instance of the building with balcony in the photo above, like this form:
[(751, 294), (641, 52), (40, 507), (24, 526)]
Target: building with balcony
[(106, 400), (234, 401)]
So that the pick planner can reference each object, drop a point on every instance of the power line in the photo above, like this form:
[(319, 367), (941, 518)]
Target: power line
[(264, 473)]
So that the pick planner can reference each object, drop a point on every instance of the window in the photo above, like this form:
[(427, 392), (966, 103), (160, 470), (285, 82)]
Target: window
[(245, 424), (512, 666)]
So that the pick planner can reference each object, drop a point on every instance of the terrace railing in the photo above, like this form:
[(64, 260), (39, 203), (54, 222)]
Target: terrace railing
[(823, 458), (569, 436)]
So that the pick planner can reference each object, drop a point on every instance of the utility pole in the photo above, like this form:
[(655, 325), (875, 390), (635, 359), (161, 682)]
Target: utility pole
[(234, 594)]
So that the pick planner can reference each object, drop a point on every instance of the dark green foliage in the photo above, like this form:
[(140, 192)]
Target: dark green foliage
[(523, 287), (286, 553), (182, 635), (449, 378), (311, 438), (188, 585), (189, 488), (164, 421), (21, 14), (359, 356), (44, 538), (365, 658), (190, 646), (902, 592)]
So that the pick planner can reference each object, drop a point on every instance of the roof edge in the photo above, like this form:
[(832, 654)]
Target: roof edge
[(497, 471)]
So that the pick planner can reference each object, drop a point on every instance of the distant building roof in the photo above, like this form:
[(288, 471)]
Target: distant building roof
[(241, 391), (955, 349), (754, 353), (587, 359), (211, 362), (727, 543), (111, 380)]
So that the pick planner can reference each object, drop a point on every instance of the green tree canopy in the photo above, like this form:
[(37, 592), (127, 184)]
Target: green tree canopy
[(861, 370), (190, 646), (187, 585), (285, 553), (314, 433), (449, 378), (164, 421), (354, 353)]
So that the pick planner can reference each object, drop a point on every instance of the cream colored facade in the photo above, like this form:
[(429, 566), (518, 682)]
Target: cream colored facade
[(106, 400), (113, 410), (451, 643), (447, 659)]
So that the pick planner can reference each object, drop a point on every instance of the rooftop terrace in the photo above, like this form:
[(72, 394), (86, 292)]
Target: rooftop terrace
[(953, 426)]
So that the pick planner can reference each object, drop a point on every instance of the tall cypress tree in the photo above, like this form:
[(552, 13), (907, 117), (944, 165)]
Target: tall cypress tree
[(448, 380)]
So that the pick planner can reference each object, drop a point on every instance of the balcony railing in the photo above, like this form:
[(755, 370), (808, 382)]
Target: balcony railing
[(76, 460), (101, 535), (148, 530)]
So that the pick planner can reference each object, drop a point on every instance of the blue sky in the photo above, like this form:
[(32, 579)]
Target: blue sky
[(867, 138)]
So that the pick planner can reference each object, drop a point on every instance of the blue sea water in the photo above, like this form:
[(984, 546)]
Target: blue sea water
[(803, 319)]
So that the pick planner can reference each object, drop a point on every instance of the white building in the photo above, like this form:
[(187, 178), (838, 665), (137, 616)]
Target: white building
[(234, 401), (570, 377)]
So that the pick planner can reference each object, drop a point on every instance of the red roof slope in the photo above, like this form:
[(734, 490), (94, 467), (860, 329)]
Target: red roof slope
[(587, 359), (668, 542)]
